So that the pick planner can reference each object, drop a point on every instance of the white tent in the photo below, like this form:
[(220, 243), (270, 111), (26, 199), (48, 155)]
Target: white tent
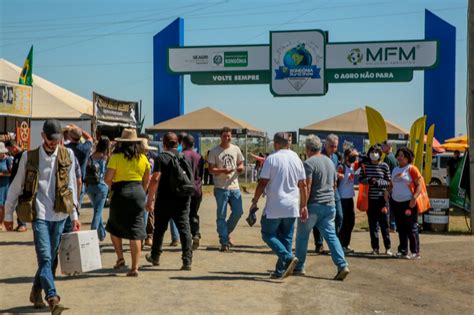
[(50, 101)]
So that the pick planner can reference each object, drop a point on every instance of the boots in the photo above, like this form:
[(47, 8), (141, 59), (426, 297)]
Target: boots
[(54, 306), (36, 298)]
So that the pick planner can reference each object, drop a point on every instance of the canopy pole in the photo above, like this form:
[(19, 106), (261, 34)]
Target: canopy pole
[(470, 103), (246, 157)]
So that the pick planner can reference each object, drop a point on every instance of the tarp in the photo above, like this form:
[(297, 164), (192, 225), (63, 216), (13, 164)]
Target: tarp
[(49, 99), (207, 121), (354, 121)]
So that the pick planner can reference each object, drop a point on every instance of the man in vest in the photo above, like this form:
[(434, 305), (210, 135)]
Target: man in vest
[(44, 193)]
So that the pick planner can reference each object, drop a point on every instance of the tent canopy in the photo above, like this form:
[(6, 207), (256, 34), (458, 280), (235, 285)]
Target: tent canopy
[(354, 121), (436, 145), (455, 146), (207, 121), (49, 100), (460, 139)]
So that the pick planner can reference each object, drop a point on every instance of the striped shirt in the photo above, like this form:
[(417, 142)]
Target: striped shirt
[(378, 178)]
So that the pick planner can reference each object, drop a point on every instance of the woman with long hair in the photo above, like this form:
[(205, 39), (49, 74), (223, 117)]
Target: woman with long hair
[(96, 187), (128, 173)]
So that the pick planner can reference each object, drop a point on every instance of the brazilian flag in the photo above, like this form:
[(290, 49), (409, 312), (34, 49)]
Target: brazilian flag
[(26, 75)]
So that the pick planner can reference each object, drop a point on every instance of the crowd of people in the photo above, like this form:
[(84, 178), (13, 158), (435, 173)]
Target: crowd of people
[(149, 192)]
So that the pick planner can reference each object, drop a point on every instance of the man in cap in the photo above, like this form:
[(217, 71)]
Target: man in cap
[(82, 150), (284, 181), (47, 204)]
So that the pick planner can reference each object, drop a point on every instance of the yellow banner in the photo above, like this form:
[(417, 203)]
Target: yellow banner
[(15, 99), (376, 126), (417, 140), (429, 153)]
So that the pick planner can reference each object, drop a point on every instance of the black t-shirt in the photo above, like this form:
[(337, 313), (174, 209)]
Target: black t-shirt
[(452, 166), (164, 165), (16, 163)]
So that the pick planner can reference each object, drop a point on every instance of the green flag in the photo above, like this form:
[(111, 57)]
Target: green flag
[(26, 75)]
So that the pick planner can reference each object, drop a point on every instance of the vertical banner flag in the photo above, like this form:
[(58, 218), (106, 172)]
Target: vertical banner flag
[(429, 153), (417, 139), (459, 187), (376, 125), (26, 75)]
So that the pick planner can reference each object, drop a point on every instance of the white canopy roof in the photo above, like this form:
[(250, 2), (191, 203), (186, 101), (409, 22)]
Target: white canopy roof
[(49, 99)]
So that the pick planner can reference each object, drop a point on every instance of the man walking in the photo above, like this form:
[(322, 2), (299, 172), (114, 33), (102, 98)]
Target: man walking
[(226, 162), (170, 204), (197, 165), (321, 211), (330, 150), (283, 180), (45, 190)]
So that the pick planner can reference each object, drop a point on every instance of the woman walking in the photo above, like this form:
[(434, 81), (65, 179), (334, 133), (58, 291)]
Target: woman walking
[(377, 175), (405, 189), (128, 173), (97, 189)]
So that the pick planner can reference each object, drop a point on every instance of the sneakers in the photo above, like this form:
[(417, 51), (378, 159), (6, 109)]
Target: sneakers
[(415, 256), (375, 252), (403, 255), (196, 243), (155, 261), (36, 298), (290, 267), (299, 273), (388, 252), (225, 249), (276, 276), (319, 249), (174, 243), (348, 250), (342, 274)]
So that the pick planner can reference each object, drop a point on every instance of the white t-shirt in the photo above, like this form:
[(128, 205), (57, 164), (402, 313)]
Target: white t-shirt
[(226, 158), (284, 169), (401, 181), (346, 185)]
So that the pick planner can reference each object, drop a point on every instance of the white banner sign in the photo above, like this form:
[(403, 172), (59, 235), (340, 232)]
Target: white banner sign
[(402, 54), (439, 203), (297, 63), (218, 58), (436, 219)]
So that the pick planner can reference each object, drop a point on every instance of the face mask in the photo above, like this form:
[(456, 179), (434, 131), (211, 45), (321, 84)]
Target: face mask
[(374, 156), (351, 159)]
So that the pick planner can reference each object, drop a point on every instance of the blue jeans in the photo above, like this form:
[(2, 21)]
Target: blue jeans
[(318, 237), (321, 216), (174, 231), (278, 234), (98, 195), (234, 198), (46, 235)]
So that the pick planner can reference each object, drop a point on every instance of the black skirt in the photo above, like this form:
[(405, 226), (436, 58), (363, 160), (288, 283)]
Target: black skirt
[(127, 207)]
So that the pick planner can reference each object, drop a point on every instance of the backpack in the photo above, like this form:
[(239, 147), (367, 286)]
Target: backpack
[(181, 179), (92, 176)]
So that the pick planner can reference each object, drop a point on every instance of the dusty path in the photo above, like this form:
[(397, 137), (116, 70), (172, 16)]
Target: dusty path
[(442, 282)]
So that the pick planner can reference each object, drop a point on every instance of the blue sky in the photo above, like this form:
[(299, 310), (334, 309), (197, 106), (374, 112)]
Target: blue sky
[(106, 46)]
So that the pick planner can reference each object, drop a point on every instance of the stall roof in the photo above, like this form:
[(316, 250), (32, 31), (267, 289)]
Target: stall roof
[(354, 121), (208, 121), (49, 99)]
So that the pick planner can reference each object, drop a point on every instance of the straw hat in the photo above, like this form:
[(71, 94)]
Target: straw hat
[(147, 147), (3, 149), (128, 135)]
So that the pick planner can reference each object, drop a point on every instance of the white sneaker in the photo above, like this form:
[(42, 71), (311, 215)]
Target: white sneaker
[(388, 252)]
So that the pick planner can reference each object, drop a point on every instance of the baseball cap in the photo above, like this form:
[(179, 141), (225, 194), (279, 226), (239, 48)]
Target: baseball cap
[(52, 129)]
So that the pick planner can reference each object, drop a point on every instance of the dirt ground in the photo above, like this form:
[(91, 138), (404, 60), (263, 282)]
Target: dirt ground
[(442, 282)]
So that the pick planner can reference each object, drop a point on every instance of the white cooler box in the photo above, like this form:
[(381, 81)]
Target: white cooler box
[(79, 252)]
